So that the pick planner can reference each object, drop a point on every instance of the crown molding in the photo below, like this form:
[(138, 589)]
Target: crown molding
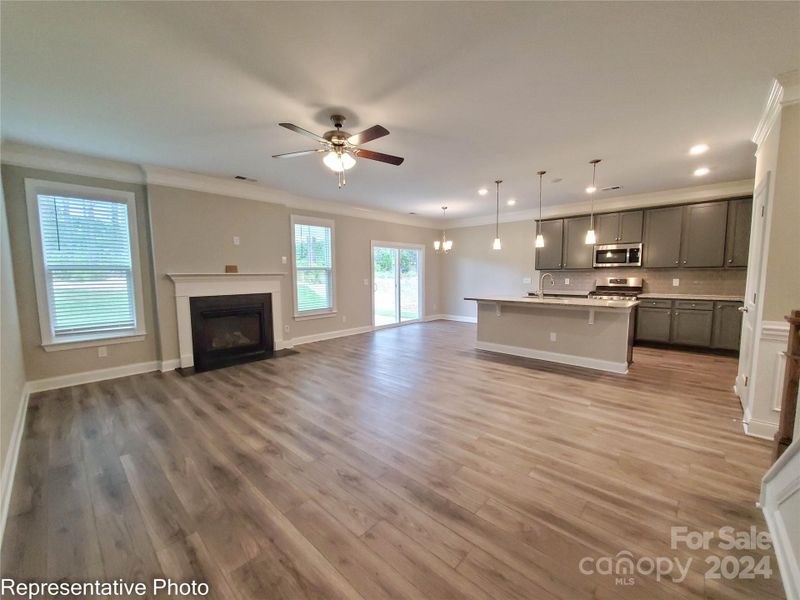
[(255, 191), (790, 82), (687, 195), (48, 159), (785, 90)]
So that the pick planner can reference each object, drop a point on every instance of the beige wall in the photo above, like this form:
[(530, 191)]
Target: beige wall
[(193, 232), (474, 269), (782, 292), (40, 364), (12, 374)]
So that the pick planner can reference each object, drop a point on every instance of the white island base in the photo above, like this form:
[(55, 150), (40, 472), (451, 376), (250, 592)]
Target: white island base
[(584, 332)]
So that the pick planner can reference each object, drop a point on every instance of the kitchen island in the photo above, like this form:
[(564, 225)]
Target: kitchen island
[(584, 332)]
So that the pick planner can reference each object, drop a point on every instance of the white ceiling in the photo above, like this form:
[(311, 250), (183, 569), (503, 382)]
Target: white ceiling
[(471, 92)]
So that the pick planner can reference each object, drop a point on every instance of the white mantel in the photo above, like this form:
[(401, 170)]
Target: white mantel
[(188, 285)]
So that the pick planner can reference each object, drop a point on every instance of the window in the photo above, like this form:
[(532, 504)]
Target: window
[(312, 244), (86, 264)]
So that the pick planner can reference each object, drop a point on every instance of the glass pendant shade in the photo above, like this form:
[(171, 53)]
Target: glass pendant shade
[(496, 245), (339, 162), (448, 245), (591, 238), (539, 237), (540, 241), (436, 245)]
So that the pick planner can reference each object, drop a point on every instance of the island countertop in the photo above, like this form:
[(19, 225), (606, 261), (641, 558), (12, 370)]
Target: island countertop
[(566, 302)]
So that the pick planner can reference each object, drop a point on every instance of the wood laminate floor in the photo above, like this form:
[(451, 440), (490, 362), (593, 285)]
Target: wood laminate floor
[(401, 463)]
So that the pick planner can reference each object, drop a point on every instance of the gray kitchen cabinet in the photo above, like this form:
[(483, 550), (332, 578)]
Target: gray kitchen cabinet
[(619, 227), (662, 237), (549, 257), (727, 325), (737, 242), (703, 239), (692, 327), (577, 253), (653, 324)]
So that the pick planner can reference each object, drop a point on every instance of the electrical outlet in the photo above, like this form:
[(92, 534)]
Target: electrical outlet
[(236, 240), (283, 260), (526, 280), (552, 336), (286, 329), (366, 282), (344, 318), (566, 280), (102, 351), (434, 306), (676, 282)]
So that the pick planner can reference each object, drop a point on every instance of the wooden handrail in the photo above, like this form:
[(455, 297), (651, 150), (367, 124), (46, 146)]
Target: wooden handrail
[(791, 379)]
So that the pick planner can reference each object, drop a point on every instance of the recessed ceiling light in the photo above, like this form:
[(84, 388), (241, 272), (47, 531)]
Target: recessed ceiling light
[(511, 202), (701, 171), (698, 149), (483, 191), (591, 189)]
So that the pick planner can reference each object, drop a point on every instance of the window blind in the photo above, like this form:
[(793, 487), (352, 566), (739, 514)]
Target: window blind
[(87, 263), (313, 267)]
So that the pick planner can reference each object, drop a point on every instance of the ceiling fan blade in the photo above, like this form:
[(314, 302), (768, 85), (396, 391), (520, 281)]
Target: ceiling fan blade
[(380, 156), (373, 133), (302, 131), (299, 153)]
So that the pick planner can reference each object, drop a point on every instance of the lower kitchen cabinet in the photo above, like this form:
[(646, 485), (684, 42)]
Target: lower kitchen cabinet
[(698, 323), (653, 324), (692, 327), (727, 325)]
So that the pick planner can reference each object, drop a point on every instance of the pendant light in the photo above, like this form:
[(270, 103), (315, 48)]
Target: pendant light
[(444, 245), (539, 236), (496, 245), (591, 238)]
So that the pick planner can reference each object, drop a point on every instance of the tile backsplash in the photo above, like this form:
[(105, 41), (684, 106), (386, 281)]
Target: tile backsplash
[(726, 282)]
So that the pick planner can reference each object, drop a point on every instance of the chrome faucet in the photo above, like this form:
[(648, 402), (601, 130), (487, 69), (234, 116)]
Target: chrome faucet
[(541, 284)]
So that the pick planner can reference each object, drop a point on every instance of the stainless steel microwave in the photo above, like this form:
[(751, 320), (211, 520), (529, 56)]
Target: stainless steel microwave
[(618, 255)]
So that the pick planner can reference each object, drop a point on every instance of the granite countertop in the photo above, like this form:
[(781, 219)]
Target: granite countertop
[(556, 292), (720, 297), (566, 302)]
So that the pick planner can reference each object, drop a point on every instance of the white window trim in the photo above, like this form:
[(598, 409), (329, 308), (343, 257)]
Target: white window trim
[(33, 189), (325, 312)]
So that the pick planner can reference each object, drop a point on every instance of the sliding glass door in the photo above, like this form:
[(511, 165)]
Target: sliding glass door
[(397, 283)]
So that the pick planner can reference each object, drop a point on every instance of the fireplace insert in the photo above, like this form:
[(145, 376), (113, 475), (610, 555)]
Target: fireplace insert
[(228, 330)]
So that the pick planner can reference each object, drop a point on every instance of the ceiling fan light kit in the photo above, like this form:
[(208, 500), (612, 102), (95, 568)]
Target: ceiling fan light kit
[(341, 148)]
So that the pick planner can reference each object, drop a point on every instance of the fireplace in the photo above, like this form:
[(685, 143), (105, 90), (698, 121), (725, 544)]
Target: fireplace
[(231, 329)]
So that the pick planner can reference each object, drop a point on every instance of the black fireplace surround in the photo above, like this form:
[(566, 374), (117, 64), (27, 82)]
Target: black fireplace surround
[(228, 330)]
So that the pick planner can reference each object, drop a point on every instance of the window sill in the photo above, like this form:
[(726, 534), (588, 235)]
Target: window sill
[(325, 315), (90, 341)]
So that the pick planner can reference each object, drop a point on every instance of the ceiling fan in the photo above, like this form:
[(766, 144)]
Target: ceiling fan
[(341, 148)]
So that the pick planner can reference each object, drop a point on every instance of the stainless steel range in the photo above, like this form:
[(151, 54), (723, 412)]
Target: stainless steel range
[(617, 288)]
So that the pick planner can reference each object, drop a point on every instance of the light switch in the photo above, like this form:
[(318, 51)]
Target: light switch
[(526, 280), (236, 240), (566, 280), (552, 336), (102, 351), (283, 260), (366, 282), (676, 282)]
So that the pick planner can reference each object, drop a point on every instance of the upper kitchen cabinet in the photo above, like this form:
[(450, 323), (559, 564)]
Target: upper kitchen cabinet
[(549, 257), (662, 237), (620, 227), (737, 243), (577, 253), (703, 240)]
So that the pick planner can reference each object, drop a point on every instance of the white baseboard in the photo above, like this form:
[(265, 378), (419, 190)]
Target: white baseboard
[(760, 429), (556, 357), (54, 383), (170, 364), (460, 318), (12, 457), (329, 335)]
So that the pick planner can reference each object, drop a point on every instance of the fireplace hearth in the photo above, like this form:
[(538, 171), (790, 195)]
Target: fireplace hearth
[(231, 329)]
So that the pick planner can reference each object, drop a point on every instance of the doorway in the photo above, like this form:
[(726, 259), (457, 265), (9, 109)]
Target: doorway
[(397, 283)]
